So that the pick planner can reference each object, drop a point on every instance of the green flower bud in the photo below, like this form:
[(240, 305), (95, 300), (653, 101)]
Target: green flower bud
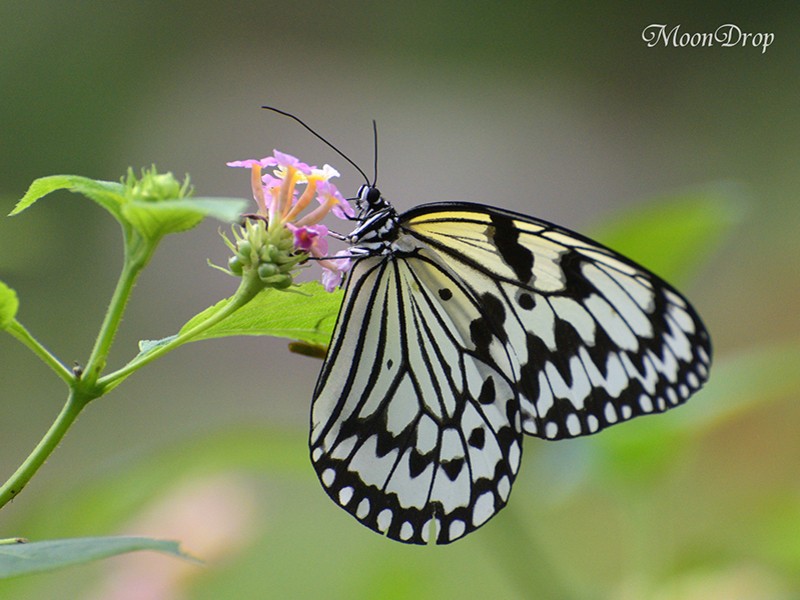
[(244, 249), (267, 270), (235, 265), (282, 282), (155, 187)]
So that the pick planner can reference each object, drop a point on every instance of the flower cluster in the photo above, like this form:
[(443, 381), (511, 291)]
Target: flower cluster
[(288, 235)]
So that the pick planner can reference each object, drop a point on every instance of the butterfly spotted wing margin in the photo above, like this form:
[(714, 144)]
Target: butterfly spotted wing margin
[(415, 425), (595, 338)]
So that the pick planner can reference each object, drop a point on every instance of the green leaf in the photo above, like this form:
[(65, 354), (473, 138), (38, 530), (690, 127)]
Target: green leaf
[(108, 194), (9, 304), (35, 557), (675, 234), (154, 220), (307, 314), (227, 210)]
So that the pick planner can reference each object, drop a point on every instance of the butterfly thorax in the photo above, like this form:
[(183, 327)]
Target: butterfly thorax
[(378, 223)]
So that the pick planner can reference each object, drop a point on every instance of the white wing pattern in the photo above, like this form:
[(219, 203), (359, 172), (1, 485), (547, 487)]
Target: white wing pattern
[(474, 326)]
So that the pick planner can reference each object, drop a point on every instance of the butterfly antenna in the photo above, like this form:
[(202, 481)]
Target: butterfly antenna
[(375, 153), (318, 136)]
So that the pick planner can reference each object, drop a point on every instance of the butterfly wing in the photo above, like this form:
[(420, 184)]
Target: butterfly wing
[(594, 338), (415, 426)]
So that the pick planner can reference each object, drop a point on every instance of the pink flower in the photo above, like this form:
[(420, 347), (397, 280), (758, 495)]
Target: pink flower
[(327, 192), (271, 182), (251, 162), (284, 195), (310, 238), (333, 269), (287, 161)]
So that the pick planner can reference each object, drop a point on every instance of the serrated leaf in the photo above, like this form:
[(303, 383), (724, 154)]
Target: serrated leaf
[(36, 557), (9, 304), (107, 194), (308, 316), (672, 236)]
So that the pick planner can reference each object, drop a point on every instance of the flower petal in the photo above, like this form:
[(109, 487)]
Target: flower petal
[(325, 173), (288, 161), (328, 193), (333, 269), (249, 163), (310, 238)]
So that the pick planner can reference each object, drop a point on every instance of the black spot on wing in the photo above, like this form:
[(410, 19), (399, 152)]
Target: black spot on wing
[(568, 341), (494, 308), (489, 324), (506, 237), (480, 334), (453, 467), (477, 439), (417, 463), (487, 394), (526, 301)]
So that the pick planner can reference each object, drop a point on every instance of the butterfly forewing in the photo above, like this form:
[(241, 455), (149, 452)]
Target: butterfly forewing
[(415, 424), (595, 338)]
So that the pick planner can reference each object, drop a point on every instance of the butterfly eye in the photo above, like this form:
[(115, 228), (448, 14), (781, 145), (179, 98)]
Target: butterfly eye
[(369, 195), (373, 196)]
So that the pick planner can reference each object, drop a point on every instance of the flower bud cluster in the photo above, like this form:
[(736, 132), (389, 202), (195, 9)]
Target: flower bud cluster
[(270, 253), (281, 234)]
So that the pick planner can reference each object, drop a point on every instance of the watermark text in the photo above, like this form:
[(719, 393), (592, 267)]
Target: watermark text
[(725, 36)]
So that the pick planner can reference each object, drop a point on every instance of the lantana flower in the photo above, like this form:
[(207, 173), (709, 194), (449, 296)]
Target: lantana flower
[(283, 198)]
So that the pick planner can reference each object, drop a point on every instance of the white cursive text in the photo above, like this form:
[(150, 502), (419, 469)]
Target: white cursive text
[(725, 36)]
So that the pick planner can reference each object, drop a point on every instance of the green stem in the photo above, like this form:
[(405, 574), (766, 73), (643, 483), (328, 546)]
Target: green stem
[(85, 389), (250, 286), (134, 263), (23, 335), (74, 405)]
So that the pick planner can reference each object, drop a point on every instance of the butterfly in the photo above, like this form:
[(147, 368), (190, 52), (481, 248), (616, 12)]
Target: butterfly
[(464, 327)]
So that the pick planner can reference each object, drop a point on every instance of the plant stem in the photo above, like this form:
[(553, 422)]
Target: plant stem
[(134, 263), (18, 330), (13, 486), (85, 388)]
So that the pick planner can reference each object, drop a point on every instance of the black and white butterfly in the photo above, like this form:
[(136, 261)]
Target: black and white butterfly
[(464, 327)]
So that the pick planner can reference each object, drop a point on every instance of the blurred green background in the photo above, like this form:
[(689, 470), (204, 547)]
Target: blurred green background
[(554, 109)]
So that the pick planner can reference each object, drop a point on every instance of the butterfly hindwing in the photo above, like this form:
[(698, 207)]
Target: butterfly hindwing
[(595, 338), (415, 422)]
